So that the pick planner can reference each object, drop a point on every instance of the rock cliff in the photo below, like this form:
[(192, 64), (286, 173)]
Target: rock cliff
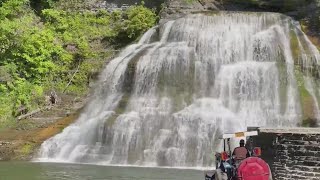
[(305, 11)]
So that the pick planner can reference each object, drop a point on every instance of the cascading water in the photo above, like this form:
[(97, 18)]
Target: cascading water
[(166, 100)]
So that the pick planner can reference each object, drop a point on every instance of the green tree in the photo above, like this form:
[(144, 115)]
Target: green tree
[(133, 23), (46, 45), (140, 19)]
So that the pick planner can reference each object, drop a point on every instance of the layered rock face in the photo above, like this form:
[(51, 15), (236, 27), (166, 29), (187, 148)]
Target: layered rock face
[(307, 11), (148, 3), (178, 8)]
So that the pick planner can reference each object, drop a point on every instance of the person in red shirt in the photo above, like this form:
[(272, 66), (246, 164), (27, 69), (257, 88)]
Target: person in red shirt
[(240, 152)]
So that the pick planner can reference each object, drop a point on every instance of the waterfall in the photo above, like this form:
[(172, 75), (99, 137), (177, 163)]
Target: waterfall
[(166, 100)]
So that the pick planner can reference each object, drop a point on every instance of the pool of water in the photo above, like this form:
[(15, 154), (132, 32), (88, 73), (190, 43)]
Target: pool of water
[(54, 171)]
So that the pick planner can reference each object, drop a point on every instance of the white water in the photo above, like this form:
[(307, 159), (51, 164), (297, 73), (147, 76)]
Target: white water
[(206, 75)]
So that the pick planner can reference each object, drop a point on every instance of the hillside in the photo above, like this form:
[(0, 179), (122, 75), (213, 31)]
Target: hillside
[(51, 55)]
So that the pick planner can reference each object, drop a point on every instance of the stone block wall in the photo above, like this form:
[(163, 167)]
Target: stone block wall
[(296, 156)]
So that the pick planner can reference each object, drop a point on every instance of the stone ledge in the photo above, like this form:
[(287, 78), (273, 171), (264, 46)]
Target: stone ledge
[(311, 131)]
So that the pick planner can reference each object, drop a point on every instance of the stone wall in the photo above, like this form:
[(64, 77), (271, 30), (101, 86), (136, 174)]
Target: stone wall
[(297, 157), (293, 154)]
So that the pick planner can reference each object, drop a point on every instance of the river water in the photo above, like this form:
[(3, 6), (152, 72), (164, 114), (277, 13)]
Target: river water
[(55, 171)]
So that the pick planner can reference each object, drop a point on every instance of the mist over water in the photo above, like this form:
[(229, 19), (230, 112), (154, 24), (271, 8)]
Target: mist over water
[(166, 100)]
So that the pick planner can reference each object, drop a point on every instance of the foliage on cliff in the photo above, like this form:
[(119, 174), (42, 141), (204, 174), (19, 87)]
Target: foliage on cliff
[(45, 47)]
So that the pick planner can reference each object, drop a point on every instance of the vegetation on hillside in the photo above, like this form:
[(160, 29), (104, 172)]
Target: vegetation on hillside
[(46, 47)]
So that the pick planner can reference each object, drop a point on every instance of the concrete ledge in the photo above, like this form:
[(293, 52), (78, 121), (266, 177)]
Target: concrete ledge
[(290, 130)]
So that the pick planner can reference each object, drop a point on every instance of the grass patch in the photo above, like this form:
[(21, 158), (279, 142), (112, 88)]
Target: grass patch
[(189, 1), (27, 149)]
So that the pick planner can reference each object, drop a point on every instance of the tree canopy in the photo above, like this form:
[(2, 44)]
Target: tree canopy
[(43, 44)]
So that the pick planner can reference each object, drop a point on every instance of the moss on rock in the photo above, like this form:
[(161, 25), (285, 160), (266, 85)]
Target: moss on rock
[(306, 100), (283, 78), (294, 43)]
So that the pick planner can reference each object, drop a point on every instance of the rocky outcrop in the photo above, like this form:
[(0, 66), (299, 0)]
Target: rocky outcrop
[(269, 5), (22, 140), (148, 3), (178, 8), (306, 11)]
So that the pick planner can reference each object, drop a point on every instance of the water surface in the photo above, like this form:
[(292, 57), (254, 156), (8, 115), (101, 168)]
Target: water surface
[(55, 171)]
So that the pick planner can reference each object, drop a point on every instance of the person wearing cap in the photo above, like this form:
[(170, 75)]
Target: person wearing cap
[(240, 152)]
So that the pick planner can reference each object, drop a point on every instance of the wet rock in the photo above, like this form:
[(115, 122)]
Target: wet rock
[(3, 143), (173, 9)]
